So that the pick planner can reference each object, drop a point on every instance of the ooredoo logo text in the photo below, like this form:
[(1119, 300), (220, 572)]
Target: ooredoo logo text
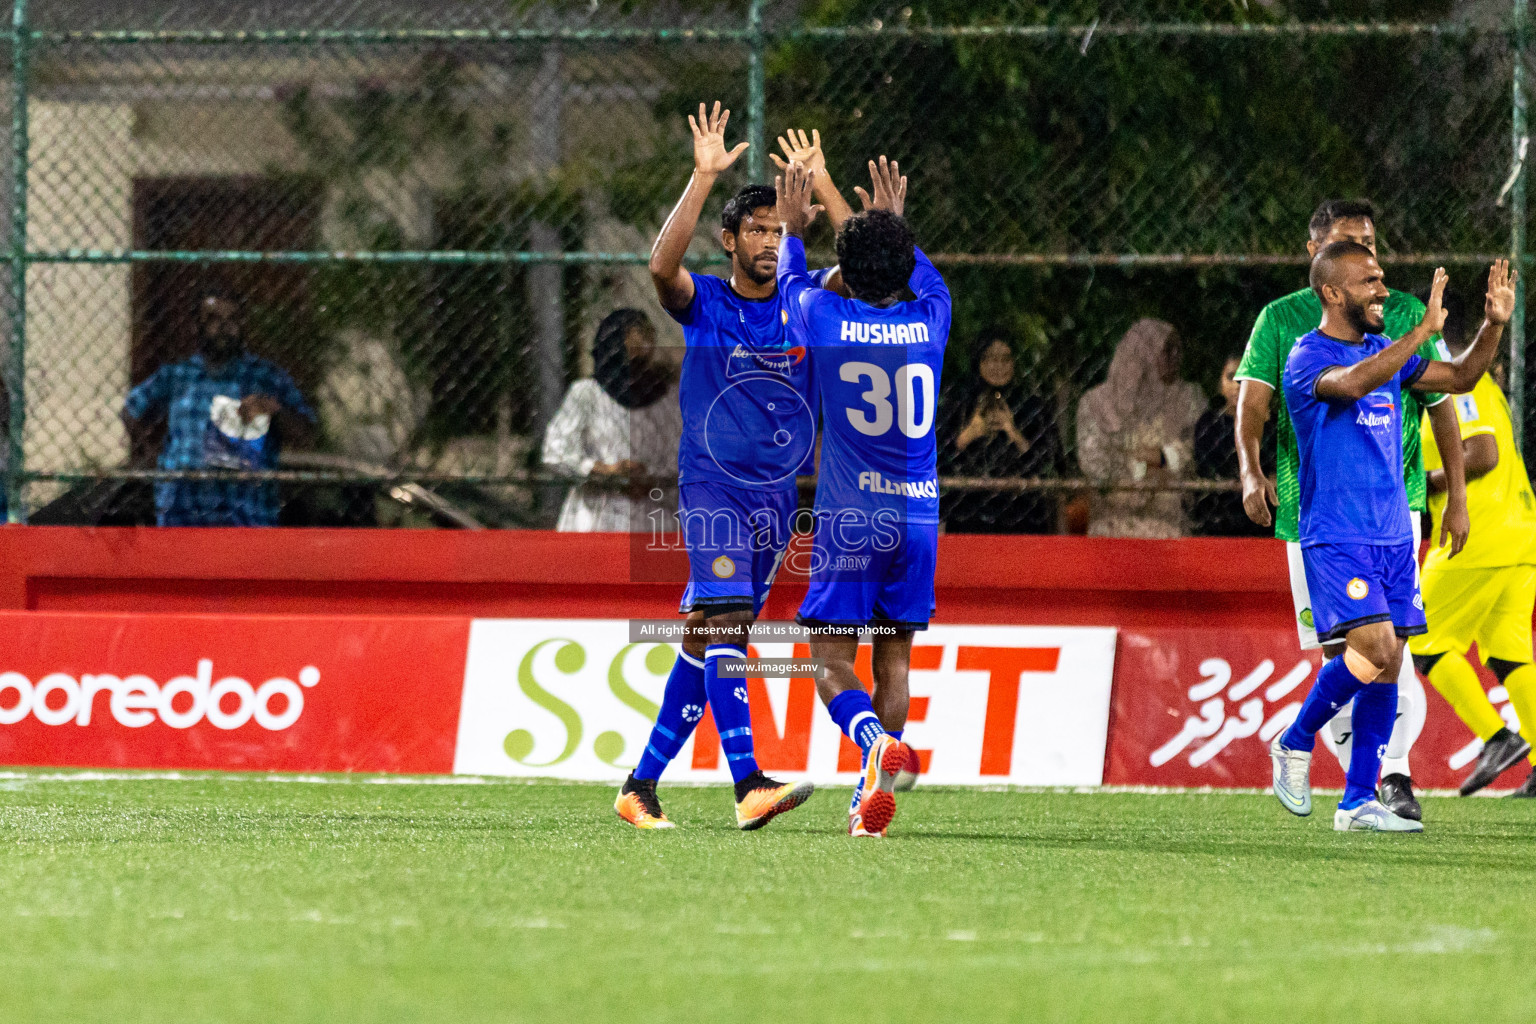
[(135, 701)]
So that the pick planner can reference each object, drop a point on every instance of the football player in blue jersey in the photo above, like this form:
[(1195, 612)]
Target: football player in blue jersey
[(875, 363), (1343, 386), (748, 430)]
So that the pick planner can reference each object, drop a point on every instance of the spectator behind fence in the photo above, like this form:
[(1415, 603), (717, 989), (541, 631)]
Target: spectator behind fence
[(1220, 513), (1138, 427), (991, 425), (624, 420), (225, 409)]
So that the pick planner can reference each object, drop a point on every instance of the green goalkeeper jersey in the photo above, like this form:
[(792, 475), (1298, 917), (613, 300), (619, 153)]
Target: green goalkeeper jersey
[(1278, 327)]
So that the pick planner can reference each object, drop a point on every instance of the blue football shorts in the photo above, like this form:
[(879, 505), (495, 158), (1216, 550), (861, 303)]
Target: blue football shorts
[(1357, 584), (736, 538), (866, 570)]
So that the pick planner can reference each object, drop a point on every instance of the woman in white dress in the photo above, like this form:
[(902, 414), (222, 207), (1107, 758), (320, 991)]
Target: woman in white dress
[(623, 421)]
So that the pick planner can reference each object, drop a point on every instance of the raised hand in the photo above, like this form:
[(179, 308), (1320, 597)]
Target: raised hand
[(1434, 312), (794, 190), (890, 187), (1499, 305), (709, 153), (797, 147)]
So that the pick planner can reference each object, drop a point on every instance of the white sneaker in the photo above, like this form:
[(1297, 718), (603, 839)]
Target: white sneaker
[(1371, 816), (1293, 777)]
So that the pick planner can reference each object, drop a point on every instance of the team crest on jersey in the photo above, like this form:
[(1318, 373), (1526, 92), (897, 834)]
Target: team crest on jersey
[(723, 567), (1357, 588)]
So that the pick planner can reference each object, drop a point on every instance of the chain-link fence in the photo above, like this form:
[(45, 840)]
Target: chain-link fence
[(420, 210)]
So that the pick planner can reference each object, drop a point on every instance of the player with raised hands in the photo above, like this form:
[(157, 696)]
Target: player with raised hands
[(1343, 386), (747, 432), (876, 363)]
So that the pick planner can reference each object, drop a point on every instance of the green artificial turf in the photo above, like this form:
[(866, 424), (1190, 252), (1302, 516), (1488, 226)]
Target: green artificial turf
[(246, 899)]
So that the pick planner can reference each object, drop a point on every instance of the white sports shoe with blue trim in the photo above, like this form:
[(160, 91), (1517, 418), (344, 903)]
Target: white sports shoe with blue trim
[(1293, 777), (1372, 816)]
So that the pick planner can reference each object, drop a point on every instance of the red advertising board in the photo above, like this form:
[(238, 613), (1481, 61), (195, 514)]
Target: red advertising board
[(243, 693), (1198, 707)]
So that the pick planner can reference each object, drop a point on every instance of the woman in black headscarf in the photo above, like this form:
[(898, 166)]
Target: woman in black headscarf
[(622, 421), (992, 425)]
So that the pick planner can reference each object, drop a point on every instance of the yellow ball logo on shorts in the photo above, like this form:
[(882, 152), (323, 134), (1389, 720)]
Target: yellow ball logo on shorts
[(1358, 588), (723, 567)]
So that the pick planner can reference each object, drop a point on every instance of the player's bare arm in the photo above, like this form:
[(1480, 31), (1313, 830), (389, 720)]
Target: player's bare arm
[(1360, 283), (674, 285), (1259, 492), (1479, 455), (795, 193), (1461, 374), (808, 151), (1455, 523)]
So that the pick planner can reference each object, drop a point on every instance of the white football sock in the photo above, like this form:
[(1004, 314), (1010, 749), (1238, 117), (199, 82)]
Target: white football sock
[(1411, 709)]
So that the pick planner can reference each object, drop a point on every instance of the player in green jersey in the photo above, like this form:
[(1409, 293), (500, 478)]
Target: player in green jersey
[(1276, 330)]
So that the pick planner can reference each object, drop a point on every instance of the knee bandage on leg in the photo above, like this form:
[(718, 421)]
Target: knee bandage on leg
[(1361, 667)]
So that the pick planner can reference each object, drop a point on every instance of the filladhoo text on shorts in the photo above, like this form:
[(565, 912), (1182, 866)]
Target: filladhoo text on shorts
[(135, 701)]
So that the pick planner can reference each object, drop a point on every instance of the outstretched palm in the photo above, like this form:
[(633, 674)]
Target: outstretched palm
[(807, 151), (794, 188), (1499, 305), (889, 185), (709, 153), (1434, 310)]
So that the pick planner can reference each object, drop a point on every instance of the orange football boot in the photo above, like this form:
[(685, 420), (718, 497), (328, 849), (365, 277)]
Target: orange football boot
[(637, 804), (877, 800), (767, 799)]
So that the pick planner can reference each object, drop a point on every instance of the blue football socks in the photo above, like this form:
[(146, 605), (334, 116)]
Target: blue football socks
[(1334, 687), (733, 717), (682, 705), (855, 715), (1375, 713)]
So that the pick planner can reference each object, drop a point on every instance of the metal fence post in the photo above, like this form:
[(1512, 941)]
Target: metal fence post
[(757, 154), (15, 471)]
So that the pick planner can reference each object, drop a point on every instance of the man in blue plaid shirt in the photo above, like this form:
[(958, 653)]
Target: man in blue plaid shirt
[(225, 409)]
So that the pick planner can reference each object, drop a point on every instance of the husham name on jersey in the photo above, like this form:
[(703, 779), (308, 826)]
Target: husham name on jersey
[(884, 334)]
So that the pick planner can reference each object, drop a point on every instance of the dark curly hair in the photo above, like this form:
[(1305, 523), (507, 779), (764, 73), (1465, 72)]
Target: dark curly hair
[(875, 251), (751, 197), (1334, 210)]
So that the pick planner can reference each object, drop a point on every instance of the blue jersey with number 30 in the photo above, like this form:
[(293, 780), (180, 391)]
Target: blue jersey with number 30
[(875, 374)]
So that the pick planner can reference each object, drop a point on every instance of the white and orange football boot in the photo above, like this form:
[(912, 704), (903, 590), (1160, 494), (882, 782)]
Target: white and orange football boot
[(763, 799), (637, 804), (877, 796)]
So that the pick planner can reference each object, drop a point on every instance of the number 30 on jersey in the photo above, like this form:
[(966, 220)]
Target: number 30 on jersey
[(904, 414)]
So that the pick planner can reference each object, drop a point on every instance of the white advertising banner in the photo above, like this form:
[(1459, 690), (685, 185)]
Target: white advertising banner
[(574, 699)]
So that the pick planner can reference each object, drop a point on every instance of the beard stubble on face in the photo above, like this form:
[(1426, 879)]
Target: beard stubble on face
[(1358, 317), (759, 270)]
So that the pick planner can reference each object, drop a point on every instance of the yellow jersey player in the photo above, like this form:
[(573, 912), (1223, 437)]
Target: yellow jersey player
[(1485, 594)]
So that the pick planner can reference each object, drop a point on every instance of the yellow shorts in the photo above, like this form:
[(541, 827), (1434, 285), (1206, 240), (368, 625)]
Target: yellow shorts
[(1489, 607)]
